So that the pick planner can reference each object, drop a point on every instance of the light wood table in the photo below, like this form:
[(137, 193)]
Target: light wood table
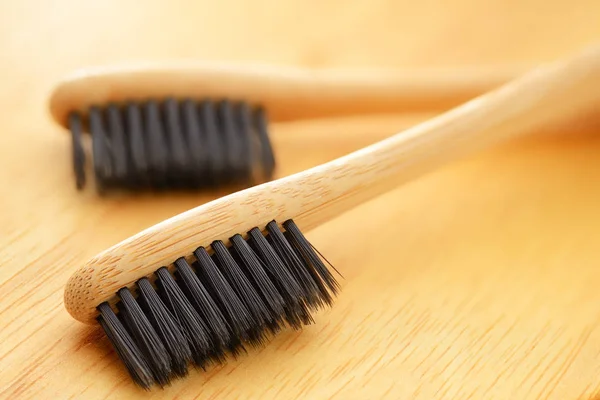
[(478, 281)]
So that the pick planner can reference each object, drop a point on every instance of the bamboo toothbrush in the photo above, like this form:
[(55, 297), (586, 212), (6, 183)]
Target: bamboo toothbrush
[(197, 124), (229, 295)]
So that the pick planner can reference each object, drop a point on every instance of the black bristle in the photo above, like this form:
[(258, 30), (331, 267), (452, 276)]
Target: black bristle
[(195, 140), (258, 312), (194, 329), (233, 145), (118, 145), (324, 294), (165, 326), (101, 158), (157, 145), (243, 121), (200, 313), (312, 294), (274, 264), (137, 147), (233, 309), (295, 309), (205, 305), (173, 144), (76, 128), (215, 144), (179, 158), (310, 256), (125, 346), (254, 270), (145, 336)]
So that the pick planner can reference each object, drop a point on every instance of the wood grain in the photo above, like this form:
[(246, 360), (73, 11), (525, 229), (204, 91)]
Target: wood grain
[(477, 281)]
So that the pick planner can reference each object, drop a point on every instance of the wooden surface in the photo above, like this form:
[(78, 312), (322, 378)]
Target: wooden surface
[(478, 281)]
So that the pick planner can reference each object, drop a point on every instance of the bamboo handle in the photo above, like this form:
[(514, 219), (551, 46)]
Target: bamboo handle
[(285, 92), (544, 96)]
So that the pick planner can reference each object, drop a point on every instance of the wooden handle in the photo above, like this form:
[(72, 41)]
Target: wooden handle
[(286, 93), (546, 95)]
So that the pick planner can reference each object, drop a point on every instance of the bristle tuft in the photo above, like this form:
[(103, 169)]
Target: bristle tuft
[(253, 309), (204, 304), (194, 329), (166, 327), (309, 254), (124, 345), (145, 336)]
